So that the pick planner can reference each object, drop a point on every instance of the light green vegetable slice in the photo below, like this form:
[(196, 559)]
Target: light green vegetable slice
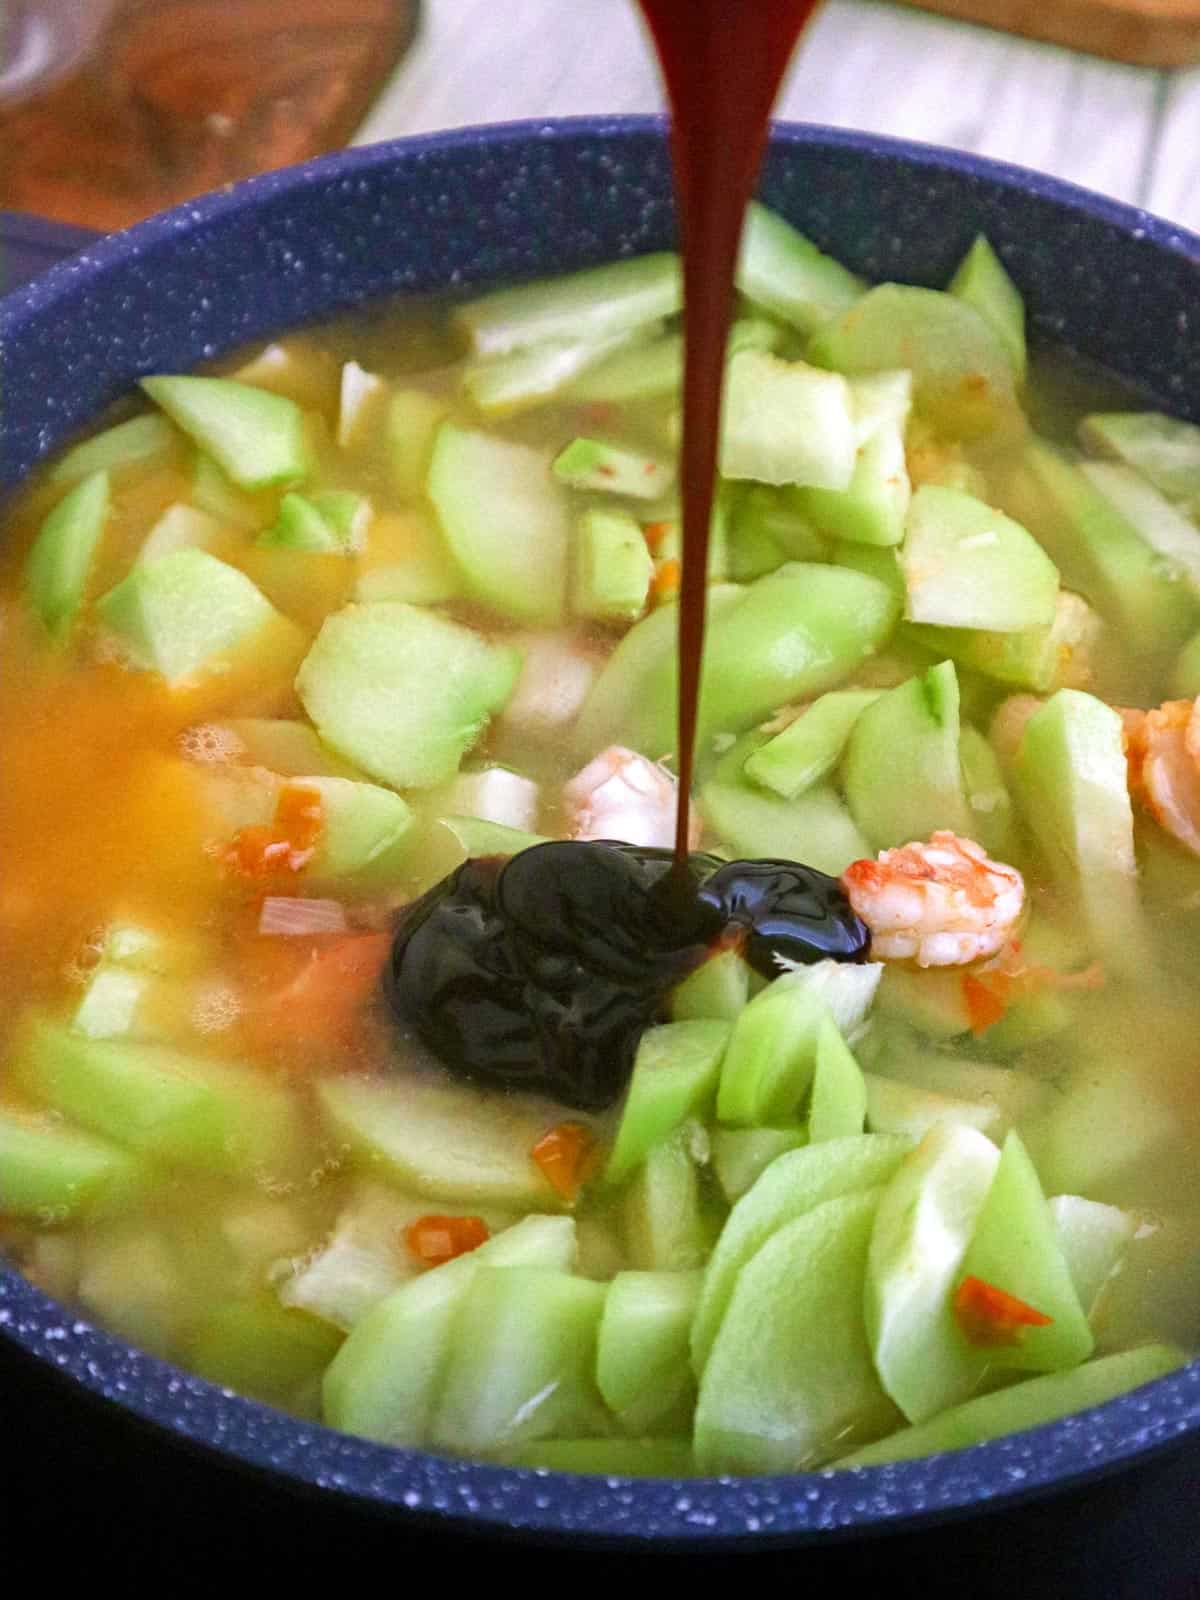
[(1015, 1248), (384, 1382), (506, 385), (967, 565), (607, 468), (413, 420), (522, 1361), (60, 562), (637, 371), (441, 1139), (1061, 656), (719, 988), (642, 1351), (1098, 551), (163, 1102), (181, 527), (838, 1107), (1176, 538), (784, 272), (664, 1222), (51, 1172), (792, 1185), (478, 837), (257, 437), (981, 281), (926, 1219), (809, 748), (611, 567), (963, 377), (675, 1075), (741, 1155), (902, 772), (1165, 450), (591, 304), (790, 1374), (790, 635), (899, 1107), (785, 422), (505, 520), (1185, 674), (642, 371), (814, 827), (142, 441), (188, 613), (262, 1349), (1026, 1405), (1093, 1239), (988, 800), (403, 693), (872, 508), (1072, 786), (771, 1055)]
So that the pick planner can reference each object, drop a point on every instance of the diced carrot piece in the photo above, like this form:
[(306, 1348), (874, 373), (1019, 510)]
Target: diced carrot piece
[(655, 532), (320, 1006), (256, 852), (287, 845), (988, 1315), (298, 817), (566, 1155), (436, 1240), (665, 582)]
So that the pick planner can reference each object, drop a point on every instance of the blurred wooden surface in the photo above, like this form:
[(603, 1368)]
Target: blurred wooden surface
[(181, 96), (1145, 33), (1127, 131), (203, 91)]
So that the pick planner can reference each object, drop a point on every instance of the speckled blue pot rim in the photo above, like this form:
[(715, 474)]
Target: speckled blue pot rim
[(48, 286), (719, 1511), (1102, 276)]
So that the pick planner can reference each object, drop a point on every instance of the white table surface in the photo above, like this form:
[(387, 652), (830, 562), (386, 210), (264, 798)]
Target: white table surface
[(1128, 131)]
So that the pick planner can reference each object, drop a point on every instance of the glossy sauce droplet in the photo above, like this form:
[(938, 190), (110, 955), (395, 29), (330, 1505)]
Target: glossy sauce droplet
[(540, 972)]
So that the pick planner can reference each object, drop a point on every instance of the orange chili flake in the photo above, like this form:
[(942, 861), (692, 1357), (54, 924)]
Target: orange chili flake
[(599, 413), (984, 1006), (436, 1240), (666, 580), (565, 1156), (990, 990), (991, 1316), (287, 844)]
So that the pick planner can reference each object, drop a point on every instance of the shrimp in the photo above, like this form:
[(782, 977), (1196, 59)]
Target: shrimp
[(621, 795), (1163, 750), (945, 903), (556, 677)]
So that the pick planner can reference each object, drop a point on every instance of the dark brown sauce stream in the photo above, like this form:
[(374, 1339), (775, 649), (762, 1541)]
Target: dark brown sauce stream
[(723, 62), (542, 971)]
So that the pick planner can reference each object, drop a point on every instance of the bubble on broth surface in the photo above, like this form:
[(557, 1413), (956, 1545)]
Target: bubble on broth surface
[(87, 958), (216, 1008), (210, 744)]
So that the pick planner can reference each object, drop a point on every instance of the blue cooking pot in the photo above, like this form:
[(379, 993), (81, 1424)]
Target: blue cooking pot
[(464, 210)]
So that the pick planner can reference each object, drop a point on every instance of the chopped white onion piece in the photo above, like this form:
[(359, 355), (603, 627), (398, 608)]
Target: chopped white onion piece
[(288, 915)]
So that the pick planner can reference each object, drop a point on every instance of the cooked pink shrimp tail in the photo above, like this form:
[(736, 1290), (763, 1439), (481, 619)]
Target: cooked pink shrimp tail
[(1163, 750), (621, 795), (941, 904)]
